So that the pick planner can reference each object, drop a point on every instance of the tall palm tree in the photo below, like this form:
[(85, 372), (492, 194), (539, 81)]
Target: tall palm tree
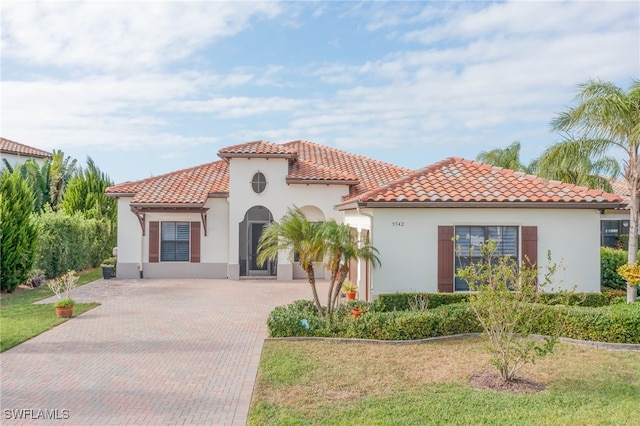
[(573, 161), (341, 245), (508, 158), (298, 235), (610, 118)]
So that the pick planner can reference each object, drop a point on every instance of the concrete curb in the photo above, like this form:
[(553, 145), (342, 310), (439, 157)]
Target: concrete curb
[(629, 347)]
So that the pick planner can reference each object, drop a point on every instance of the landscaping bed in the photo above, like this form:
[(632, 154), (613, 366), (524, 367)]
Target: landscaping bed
[(616, 323)]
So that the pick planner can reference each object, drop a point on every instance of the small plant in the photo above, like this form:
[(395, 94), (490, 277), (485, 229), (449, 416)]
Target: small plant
[(504, 301), (109, 261), (63, 286), (65, 303), (348, 286), (418, 302)]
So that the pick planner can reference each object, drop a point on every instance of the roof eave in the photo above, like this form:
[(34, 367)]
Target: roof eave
[(301, 181), (476, 204), (168, 205), (290, 156), (120, 194)]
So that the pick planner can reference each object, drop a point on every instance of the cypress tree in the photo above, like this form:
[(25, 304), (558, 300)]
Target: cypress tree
[(18, 234)]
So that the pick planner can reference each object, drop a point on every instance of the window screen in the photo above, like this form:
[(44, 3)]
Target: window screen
[(175, 242)]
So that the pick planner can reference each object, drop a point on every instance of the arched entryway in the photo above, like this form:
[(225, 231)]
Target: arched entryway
[(250, 230)]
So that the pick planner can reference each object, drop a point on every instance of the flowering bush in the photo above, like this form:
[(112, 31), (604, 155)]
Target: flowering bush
[(631, 273), (64, 284)]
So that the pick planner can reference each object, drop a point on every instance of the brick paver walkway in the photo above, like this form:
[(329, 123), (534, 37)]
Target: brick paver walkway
[(155, 352)]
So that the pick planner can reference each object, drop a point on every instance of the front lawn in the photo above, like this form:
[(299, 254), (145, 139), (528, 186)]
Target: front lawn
[(328, 383), (21, 320)]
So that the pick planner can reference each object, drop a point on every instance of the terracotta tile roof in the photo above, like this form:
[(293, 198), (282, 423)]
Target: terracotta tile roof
[(370, 173), (10, 147), (456, 180), (188, 186), (621, 188), (305, 171), (261, 149)]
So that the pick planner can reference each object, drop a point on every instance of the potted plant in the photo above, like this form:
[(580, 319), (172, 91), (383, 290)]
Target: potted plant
[(350, 290), (108, 268), (63, 286), (35, 277), (64, 307)]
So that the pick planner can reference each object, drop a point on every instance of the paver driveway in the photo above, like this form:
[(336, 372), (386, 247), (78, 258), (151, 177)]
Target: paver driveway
[(155, 352)]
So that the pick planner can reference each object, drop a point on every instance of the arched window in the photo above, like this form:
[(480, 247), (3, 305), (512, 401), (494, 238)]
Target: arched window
[(258, 183)]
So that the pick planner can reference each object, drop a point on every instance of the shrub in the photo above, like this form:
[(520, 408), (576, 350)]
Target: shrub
[(300, 318), (402, 301), (17, 231), (610, 260), (618, 323), (582, 299), (70, 242)]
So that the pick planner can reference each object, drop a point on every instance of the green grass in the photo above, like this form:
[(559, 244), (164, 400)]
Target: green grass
[(20, 319), (324, 383)]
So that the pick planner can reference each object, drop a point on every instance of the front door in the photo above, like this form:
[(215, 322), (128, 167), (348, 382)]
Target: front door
[(255, 232)]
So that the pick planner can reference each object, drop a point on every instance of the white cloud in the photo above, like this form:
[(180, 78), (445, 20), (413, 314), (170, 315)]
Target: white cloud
[(120, 35)]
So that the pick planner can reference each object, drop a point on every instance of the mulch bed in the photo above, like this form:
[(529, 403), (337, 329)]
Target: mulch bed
[(491, 380)]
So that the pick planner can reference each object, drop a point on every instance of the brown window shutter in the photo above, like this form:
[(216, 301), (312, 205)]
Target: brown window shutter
[(154, 242), (195, 242), (530, 246), (445, 259)]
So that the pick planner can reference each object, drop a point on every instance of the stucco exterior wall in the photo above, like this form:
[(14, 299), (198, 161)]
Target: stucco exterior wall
[(407, 240), (133, 248), (17, 160), (277, 197)]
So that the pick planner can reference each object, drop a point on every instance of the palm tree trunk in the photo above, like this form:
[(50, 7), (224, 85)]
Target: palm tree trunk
[(634, 175), (312, 282)]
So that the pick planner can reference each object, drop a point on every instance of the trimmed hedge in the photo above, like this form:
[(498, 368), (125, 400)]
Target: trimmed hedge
[(592, 300), (614, 323), (401, 301)]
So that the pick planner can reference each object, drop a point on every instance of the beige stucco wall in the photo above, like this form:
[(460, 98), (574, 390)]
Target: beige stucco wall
[(133, 248), (277, 197), (407, 240)]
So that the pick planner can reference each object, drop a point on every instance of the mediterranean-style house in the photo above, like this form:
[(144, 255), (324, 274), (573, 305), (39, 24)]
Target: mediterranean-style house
[(206, 221), (17, 154)]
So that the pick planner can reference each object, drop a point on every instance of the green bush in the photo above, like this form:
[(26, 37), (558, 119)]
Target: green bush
[(401, 301), (592, 300), (619, 323), (612, 294), (17, 230), (610, 260), (70, 242), (615, 323)]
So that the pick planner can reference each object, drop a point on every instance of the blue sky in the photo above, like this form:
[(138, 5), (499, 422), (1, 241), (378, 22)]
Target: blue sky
[(146, 88)]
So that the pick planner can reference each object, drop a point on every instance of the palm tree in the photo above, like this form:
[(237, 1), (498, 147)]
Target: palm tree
[(608, 117), (574, 161), (508, 158), (341, 246), (296, 234), (62, 170)]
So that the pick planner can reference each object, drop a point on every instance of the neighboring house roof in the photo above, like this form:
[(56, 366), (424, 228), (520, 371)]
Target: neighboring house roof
[(308, 163), (11, 147), (469, 183), (621, 188)]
